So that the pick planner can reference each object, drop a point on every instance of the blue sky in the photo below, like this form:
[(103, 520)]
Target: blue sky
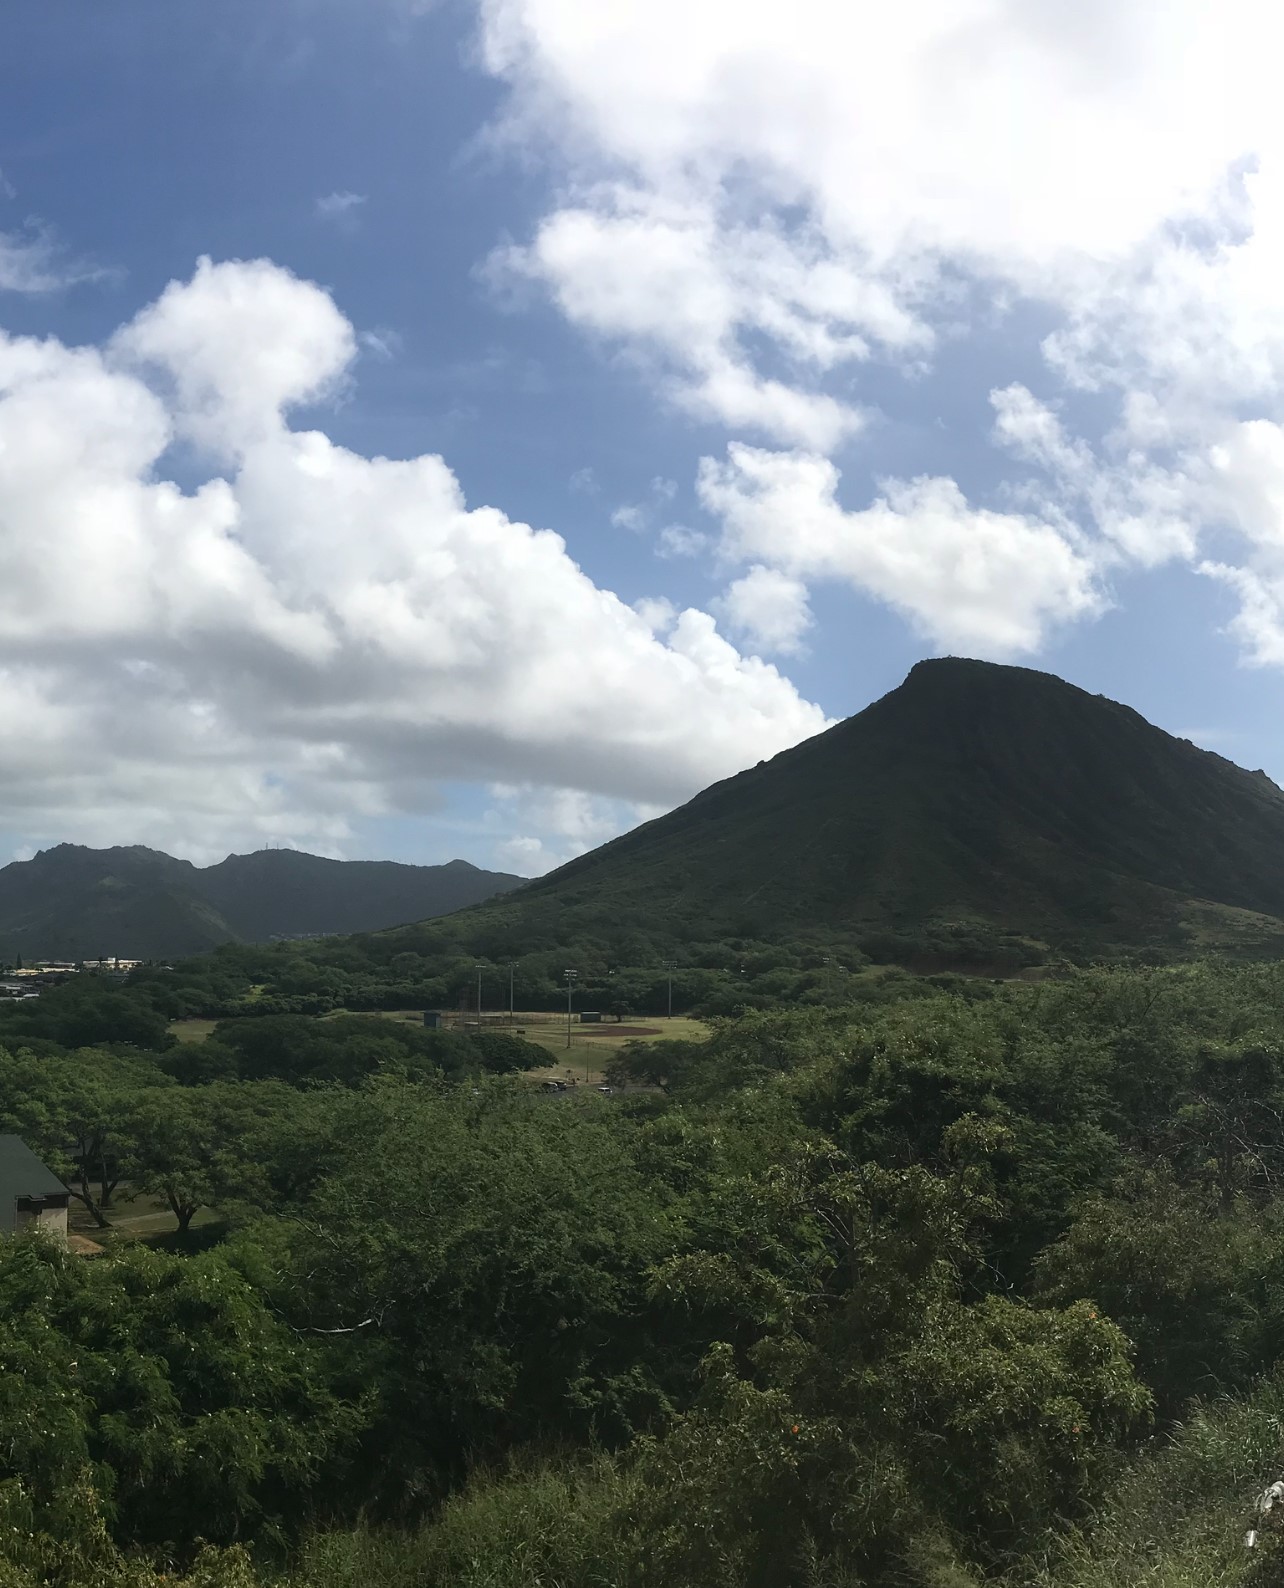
[(814, 366)]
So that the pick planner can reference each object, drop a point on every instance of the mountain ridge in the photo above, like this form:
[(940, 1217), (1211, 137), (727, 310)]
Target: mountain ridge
[(73, 902), (973, 792)]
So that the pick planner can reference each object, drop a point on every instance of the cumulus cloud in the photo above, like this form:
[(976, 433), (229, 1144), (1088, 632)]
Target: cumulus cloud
[(671, 286), (310, 635), (967, 578), (814, 177), (768, 609), (896, 126), (546, 827), (760, 210)]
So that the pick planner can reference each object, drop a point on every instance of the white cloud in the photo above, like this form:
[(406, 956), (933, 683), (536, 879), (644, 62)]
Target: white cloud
[(768, 609), (668, 285), (987, 583), (383, 342), (657, 612), (756, 202), (813, 176), (568, 823), (629, 516), (33, 261), (235, 347), (1244, 491), (677, 540), (311, 636), (1146, 512), (340, 208), (638, 516)]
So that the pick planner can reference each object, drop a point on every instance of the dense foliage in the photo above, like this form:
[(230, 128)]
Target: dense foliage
[(931, 1288)]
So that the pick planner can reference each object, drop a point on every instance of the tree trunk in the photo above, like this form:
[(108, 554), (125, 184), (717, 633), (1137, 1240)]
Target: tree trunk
[(86, 1196), (184, 1212), (106, 1185)]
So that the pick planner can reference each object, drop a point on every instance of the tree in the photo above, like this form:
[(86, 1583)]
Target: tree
[(202, 1415), (203, 1146), (87, 1011), (72, 1110), (1232, 1122), (483, 1262)]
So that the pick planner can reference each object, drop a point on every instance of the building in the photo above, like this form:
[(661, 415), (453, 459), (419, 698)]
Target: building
[(432, 1019), (29, 1193)]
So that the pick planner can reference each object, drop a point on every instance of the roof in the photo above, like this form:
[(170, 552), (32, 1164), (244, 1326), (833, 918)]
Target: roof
[(23, 1175)]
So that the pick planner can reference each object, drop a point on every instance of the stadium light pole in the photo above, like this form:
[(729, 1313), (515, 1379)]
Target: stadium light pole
[(479, 969), (511, 969), (569, 976), (670, 966)]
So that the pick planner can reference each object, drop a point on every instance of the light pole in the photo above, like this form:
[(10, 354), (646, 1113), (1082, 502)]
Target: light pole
[(511, 968), (479, 969), (569, 977), (670, 966)]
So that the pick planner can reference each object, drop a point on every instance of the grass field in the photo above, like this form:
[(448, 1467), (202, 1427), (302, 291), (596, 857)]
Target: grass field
[(591, 1046), (191, 1030), (140, 1218)]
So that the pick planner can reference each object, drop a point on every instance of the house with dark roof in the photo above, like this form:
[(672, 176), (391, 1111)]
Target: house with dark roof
[(29, 1193)]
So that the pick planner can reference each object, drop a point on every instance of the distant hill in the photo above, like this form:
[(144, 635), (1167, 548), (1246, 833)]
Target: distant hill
[(974, 796), (75, 903)]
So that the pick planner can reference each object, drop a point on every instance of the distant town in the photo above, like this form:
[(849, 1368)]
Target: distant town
[(26, 981)]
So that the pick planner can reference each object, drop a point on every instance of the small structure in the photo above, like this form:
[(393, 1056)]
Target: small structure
[(432, 1019), (590, 1017), (29, 1193)]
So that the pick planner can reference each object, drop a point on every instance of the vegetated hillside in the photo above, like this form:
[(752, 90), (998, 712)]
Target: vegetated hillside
[(282, 892), (972, 797), (70, 902)]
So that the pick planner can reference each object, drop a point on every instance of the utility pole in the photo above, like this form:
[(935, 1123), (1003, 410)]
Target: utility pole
[(670, 966), (511, 968), (569, 977), (479, 969)]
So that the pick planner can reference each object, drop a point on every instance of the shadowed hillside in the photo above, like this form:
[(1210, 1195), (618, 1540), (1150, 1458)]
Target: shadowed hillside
[(973, 794), (75, 903)]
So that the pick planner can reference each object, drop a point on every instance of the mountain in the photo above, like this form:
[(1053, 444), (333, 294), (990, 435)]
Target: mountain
[(974, 798), (75, 903), (972, 801)]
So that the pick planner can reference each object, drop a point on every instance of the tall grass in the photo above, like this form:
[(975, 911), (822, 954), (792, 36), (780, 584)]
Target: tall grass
[(1177, 1516), (541, 1527)]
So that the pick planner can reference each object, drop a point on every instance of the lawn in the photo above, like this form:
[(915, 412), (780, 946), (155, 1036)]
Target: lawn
[(591, 1046), (134, 1218), (191, 1030), (589, 1050)]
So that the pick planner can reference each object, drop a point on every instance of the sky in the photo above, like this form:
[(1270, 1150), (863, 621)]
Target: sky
[(468, 429)]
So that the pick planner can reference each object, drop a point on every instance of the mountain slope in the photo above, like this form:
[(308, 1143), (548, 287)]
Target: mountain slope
[(973, 793), (282, 892), (75, 903)]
